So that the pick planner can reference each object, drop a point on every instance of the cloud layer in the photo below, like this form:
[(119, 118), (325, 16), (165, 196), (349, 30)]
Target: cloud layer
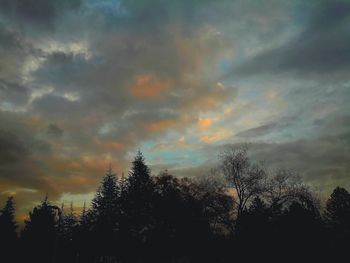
[(84, 83)]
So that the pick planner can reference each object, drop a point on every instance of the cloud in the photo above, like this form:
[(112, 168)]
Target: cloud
[(321, 48), (271, 127), (41, 13), (205, 123), (148, 87), (54, 131), (323, 161), (83, 83), (12, 148), (215, 136), (258, 131), (159, 126)]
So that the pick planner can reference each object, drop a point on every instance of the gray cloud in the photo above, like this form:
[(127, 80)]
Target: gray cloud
[(54, 131), (85, 82), (322, 48), (322, 161), (261, 130), (11, 147), (40, 13)]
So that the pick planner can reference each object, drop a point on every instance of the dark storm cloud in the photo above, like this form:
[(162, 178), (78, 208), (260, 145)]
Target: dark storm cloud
[(322, 47), (20, 136), (259, 131), (40, 13), (18, 152), (11, 148), (54, 131)]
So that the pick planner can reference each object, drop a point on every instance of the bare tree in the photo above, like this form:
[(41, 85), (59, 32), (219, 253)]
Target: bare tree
[(218, 204), (246, 179), (285, 187)]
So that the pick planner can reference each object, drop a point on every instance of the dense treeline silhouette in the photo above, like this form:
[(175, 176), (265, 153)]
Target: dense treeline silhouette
[(249, 214)]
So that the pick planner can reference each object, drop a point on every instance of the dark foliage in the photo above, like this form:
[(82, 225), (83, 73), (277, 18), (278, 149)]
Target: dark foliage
[(39, 237), (337, 219), (144, 218), (8, 226)]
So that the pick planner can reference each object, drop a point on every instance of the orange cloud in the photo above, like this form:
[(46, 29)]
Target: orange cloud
[(205, 123), (210, 99), (110, 145), (147, 86), (95, 164), (215, 137), (161, 125), (115, 146)]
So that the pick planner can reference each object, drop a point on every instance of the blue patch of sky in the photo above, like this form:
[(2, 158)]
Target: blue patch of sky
[(180, 156), (110, 7)]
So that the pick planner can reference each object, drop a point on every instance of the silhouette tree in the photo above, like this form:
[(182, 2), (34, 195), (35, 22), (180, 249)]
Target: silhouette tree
[(337, 211), (84, 240), (104, 204), (218, 203), (246, 179), (337, 218), (253, 230), (300, 227), (136, 204), (284, 188), (8, 226), (181, 219), (39, 235), (105, 216), (141, 218), (67, 230)]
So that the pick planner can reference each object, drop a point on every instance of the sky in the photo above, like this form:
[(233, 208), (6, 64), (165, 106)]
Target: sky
[(85, 83)]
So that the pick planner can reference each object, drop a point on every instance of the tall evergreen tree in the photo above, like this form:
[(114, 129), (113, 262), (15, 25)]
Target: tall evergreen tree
[(140, 181), (84, 240), (104, 216), (8, 226), (84, 218), (70, 223), (140, 189), (105, 203), (67, 236), (136, 199)]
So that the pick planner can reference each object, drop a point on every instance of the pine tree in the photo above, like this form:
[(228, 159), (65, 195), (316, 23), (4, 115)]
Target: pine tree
[(67, 233), (137, 199), (8, 226), (69, 224), (84, 219), (84, 242), (139, 176), (104, 216), (105, 204)]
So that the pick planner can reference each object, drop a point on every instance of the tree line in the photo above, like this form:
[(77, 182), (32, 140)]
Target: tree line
[(247, 214)]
